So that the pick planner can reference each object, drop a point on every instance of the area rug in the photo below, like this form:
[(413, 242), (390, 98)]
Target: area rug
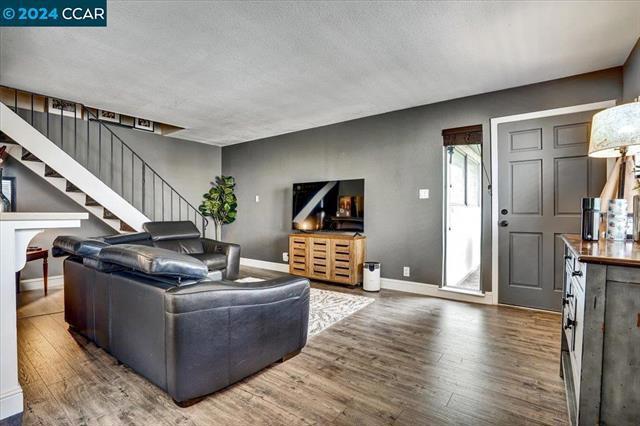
[(327, 307)]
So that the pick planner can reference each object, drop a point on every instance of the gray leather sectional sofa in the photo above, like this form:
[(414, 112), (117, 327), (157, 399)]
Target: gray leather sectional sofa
[(170, 318)]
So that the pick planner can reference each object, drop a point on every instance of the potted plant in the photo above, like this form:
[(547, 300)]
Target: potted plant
[(220, 203)]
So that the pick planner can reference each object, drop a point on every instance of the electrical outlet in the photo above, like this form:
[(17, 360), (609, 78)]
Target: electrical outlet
[(406, 271), (257, 198), (423, 194), (285, 256)]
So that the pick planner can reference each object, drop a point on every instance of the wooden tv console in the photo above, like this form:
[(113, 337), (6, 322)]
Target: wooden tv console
[(336, 258)]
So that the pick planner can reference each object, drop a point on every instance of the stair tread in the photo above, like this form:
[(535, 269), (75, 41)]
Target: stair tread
[(72, 188), (4, 138), (28, 156), (108, 215), (126, 228), (91, 202), (49, 172)]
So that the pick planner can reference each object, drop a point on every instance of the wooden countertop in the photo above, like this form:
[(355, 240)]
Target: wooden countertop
[(604, 252)]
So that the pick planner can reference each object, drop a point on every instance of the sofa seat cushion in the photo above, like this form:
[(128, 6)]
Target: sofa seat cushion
[(77, 246), (154, 261), (214, 261)]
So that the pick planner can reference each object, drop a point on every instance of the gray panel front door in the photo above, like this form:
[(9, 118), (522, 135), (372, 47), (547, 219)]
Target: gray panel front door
[(543, 173)]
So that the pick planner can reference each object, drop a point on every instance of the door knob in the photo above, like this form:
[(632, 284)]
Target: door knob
[(503, 223)]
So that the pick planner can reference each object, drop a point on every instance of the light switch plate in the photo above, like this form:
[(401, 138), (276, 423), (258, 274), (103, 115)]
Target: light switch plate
[(257, 198), (406, 271), (423, 194), (285, 256)]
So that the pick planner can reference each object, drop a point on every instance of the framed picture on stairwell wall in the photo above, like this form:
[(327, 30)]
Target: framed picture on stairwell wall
[(109, 116), (144, 124), (66, 108)]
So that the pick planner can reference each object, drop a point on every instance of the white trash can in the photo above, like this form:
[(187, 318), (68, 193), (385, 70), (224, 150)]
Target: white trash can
[(371, 278)]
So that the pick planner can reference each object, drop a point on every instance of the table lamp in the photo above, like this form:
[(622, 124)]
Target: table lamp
[(615, 132)]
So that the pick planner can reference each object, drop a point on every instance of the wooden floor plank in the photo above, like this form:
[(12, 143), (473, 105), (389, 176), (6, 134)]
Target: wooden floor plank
[(403, 360)]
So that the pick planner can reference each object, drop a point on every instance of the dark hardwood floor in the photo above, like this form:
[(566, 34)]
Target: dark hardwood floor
[(403, 360)]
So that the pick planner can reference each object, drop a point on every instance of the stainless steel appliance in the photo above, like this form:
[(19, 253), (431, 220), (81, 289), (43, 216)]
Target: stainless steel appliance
[(590, 223)]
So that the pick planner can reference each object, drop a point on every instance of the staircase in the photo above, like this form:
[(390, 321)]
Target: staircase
[(84, 159)]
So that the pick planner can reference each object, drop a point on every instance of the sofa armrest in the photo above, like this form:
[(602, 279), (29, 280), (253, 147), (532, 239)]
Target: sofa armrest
[(232, 251)]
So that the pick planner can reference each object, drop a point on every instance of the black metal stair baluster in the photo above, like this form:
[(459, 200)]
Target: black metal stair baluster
[(15, 100), (122, 169), (154, 197), (132, 195), (111, 162), (99, 151), (75, 130), (46, 107), (144, 186), (62, 126), (171, 204), (162, 180), (32, 110)]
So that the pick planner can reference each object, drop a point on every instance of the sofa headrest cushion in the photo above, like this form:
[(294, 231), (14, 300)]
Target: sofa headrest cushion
[(99, 265), (77, 246), (132, 238), (177, 230), (154, 261)]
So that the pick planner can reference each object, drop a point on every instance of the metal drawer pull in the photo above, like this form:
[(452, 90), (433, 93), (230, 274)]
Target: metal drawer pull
[(576, 273), (568, 257), (570, 323)]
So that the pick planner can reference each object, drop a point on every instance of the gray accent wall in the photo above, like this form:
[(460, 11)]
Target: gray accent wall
[(397, 154), (631, 74), (187, 166)]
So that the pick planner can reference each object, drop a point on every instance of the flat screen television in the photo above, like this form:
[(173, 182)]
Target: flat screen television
[(335, 205)]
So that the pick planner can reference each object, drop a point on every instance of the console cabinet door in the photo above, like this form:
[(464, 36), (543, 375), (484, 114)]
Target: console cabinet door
[(342, 256), (298, 251), (319, 258)]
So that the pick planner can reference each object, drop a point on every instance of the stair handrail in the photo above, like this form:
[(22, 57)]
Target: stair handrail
[(99, 122)]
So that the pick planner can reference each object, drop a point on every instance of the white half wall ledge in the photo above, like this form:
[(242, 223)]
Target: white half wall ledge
[(413, 287)]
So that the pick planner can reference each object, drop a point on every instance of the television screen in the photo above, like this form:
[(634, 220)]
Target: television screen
[(336, 205)]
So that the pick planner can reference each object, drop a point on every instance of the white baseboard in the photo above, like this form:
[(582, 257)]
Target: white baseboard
[(435, 291), (390, 284), (272, 266), (11, 403), (38, 283)]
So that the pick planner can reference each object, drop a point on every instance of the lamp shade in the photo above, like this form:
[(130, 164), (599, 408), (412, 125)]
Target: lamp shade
[(615, 128)]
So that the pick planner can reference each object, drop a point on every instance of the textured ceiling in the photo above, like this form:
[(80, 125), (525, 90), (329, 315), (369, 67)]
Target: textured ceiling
[(230, 72)]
